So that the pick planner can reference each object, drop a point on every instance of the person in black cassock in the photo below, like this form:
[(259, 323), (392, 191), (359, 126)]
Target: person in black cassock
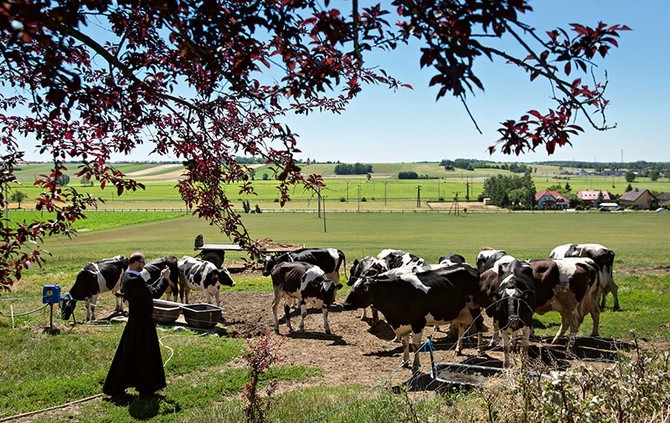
[(138, 362)]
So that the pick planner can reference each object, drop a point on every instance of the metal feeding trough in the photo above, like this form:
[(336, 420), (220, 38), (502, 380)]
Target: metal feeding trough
[(166, 312), (462, 375), (203, 315)]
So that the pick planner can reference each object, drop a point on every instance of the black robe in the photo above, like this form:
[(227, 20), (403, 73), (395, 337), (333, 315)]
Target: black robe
[(138, 362)]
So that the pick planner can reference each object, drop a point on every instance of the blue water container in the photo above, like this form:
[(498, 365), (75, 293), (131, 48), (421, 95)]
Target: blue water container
[(51, 294)]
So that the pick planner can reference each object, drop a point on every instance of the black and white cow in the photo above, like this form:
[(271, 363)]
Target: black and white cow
[(202, 275), (397, 258), (367, 267), (451, 259), (604, 258), (304, 282), (152, 271), (513, 305), (568, 286), (487, 257), (411, 301), (328, 259), (94, 279)]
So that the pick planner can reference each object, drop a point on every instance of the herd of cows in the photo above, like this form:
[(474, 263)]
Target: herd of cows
[(410, 292)]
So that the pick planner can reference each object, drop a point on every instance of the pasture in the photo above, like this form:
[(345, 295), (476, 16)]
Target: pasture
[(204, 372), (383, 191)]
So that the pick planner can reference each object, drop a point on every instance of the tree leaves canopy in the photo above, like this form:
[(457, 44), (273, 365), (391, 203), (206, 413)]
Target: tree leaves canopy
[(207, 81)]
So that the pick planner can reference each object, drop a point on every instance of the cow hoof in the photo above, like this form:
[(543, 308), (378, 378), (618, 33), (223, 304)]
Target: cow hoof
[(616, 308), (328, 332), (405, 364)]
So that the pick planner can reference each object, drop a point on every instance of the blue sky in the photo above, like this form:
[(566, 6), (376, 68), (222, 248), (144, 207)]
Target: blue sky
[(408, 126)]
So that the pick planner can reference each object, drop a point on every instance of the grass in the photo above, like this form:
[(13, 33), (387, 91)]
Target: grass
[(382, 188), (639, 240), (40, 370)]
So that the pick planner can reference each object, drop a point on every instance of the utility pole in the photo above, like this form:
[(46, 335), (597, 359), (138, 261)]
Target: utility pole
[(454, 205), (418, 195), (318, 203), (359, 198), (324, 216)]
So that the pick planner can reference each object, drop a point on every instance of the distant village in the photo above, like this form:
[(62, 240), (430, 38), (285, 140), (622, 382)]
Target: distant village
[(632, 199)]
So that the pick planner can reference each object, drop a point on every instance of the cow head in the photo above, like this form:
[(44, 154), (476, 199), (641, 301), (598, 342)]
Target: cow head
[(451, 260), (515, 296), (225, 277), (152, 269), (487, 257), (360, 296), (367, 267), (67, 305), (269, 262), (315, 284)]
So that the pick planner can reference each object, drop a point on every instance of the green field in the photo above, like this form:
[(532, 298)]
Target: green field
[(39, 370), (382, 191)]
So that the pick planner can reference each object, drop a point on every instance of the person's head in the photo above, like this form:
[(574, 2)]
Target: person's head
[(136, 261)]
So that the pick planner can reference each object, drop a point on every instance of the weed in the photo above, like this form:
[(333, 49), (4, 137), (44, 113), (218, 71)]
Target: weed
[(262, 354)]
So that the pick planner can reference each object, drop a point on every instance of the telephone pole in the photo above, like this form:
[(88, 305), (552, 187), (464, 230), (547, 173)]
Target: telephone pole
[(418, 195), (454, 205)]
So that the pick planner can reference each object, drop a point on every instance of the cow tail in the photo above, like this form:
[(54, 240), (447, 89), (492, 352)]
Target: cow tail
[(343, 259)]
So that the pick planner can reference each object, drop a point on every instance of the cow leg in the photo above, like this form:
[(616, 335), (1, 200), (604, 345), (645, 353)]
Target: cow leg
[(183, 289), (459, 340), (615, 293), (478, 324), (574, 327), (275, 304), (565, 323), (602, 294), (335, 277), (375, 317), (595, 316), (506, 346), (496, 334), (287, 311), (416, 343), (217, 296), (326, 327), (119, 304), (364, 314), (404, 339), (93, 301), (303, 313)]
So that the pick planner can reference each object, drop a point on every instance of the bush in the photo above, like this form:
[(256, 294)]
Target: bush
[(408, 175)]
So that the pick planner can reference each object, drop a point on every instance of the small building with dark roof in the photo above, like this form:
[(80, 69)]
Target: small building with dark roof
[(640, 198)]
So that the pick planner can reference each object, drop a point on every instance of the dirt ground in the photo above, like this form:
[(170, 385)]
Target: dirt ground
[(352, 354)]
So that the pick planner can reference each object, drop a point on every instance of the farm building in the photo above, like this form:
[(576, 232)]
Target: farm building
[(551, 200), (593, 196), (640, 198), (664, 199)]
